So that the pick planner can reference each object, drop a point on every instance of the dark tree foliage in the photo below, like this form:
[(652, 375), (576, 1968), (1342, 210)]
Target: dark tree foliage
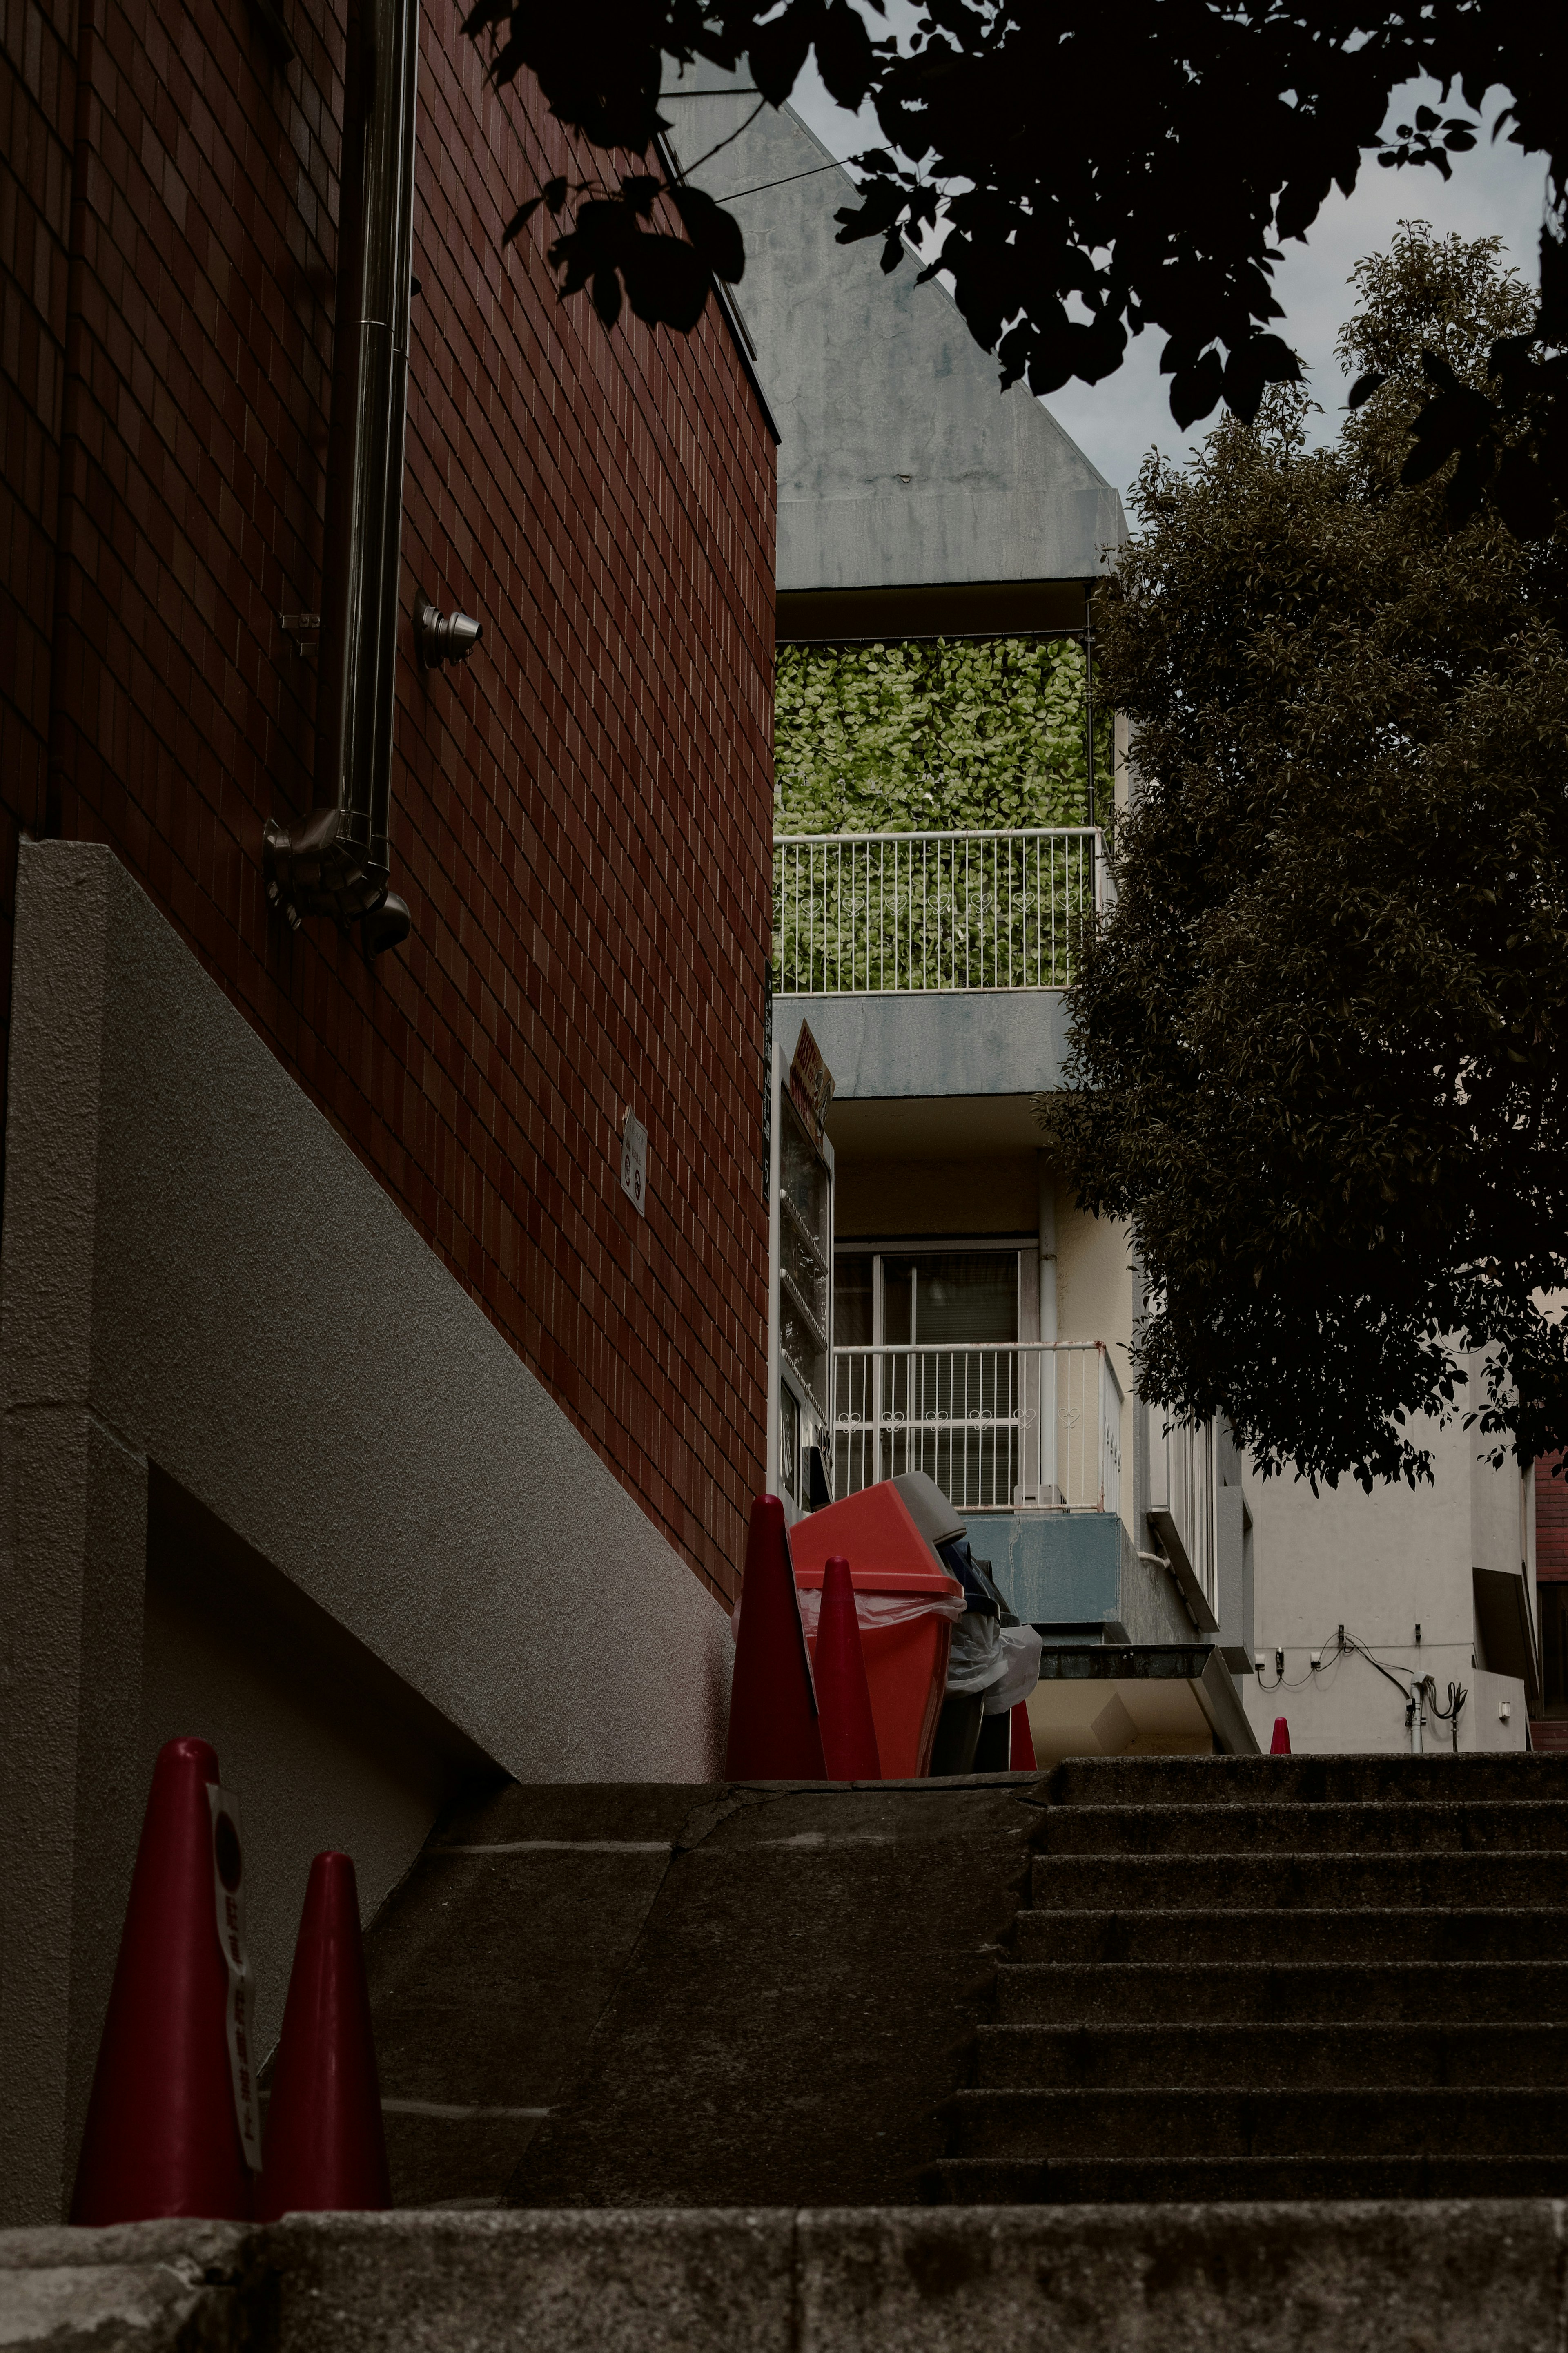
[(1319, 1046), (1086, 173)]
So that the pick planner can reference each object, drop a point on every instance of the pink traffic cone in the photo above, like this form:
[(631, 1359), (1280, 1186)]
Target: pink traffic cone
[(773, 1730), (843, 1694), (163, 2131), (1021, 1759), (325, 2150), (1280, 1744)]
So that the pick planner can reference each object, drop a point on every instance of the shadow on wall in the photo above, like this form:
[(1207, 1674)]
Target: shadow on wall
[(322, 1745)]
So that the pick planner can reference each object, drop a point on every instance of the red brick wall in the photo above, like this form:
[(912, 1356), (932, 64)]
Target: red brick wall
[(580, 816), (37, 90), (1550, 1522)]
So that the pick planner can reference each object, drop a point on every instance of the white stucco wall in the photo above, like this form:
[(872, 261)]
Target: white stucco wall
[(198, 1275), (1380, 1565), (1094, 1301)]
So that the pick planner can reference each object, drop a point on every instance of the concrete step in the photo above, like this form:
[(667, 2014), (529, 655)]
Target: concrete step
[(1502, 2120), (1304, 2057), (1075, 2278), (1156, 2182), (1166, 1937), (1313, 1780), (1236, 1993), (1491, 1827), (1197, 1883)]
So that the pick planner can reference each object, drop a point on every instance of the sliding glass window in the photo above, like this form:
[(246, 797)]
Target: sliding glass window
[(926, 1373)]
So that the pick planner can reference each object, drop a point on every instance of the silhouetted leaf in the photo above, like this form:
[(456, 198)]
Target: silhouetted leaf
[(667, 280), (882, 202), (1366, 385), (715, 234), (521, 219), (1196, 391), (640, 191), (844, 55), (1231, 129), (483, 15), (778, 50)]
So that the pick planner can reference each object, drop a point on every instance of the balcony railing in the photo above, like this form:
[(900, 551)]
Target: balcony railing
[(1182, 1509), (858, 912), (996, 1426)]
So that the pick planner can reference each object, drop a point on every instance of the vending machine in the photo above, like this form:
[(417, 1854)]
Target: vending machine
[(800, 1277)]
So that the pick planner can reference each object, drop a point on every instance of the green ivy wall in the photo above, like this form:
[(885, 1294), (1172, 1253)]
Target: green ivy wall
[(934, 736)]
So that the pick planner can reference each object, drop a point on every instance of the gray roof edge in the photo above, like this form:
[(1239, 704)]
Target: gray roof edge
[(914, 254)]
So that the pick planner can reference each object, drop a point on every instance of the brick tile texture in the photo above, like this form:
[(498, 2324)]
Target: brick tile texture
[(580, 814)]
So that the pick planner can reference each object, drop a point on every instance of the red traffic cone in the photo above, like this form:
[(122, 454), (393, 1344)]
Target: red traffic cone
[(773, 1730), (1023, 1758), (325, 2148), (162, 2133), (843, 1694), (1280, 1744)]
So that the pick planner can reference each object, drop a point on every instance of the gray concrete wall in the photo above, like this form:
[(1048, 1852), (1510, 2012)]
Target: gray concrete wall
[(1005, 1041), (1301, 2277), (901, 459), (324, 1746), (199, 1282)]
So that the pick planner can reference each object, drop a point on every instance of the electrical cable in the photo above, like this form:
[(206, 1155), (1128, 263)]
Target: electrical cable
[(1348, 1646)]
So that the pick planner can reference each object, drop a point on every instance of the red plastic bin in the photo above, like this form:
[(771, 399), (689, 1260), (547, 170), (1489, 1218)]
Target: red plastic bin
[(906, 1664)]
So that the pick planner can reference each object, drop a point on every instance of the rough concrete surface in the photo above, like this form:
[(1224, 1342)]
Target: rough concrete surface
[(799, 2003), (704, 2282), (492, 1964), (150, 2287), (1462, 2277), (1184, 2279), (900, 458)]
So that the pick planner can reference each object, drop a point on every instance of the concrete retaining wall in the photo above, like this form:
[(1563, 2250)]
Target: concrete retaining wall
[(1445, 2277)]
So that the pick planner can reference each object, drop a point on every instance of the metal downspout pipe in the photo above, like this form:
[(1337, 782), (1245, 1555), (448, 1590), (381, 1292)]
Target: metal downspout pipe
[(335, 863)]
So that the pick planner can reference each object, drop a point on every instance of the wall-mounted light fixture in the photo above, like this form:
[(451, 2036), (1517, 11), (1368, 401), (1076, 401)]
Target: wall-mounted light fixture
[(443, 637)]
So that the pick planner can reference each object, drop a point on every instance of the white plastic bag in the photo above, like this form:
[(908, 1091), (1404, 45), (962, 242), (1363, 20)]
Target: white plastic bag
[(1021, 1669), (976, 1657), (872, 1610)]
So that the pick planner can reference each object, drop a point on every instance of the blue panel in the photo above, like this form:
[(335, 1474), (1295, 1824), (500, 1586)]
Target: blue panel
[(1054, 1567)]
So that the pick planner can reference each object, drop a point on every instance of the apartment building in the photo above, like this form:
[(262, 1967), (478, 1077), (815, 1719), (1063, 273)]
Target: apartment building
[(386, 788), (1425, 1617), (945, 785)]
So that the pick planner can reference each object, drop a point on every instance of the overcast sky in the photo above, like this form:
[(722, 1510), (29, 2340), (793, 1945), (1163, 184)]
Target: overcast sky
[(1496, 191)]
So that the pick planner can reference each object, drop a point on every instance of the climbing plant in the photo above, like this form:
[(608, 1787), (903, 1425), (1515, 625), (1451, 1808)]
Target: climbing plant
[(931, 737)]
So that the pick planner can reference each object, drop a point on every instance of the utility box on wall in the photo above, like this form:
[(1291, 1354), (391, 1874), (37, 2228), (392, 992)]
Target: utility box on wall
[(800, 1280)]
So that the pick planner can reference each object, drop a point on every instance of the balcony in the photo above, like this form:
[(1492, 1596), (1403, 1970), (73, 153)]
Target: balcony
[(908, 913), (999, 1426)]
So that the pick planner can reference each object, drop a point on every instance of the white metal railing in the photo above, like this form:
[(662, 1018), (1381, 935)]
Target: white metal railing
[(858, 913), (1181, 1502), (995, 1425)]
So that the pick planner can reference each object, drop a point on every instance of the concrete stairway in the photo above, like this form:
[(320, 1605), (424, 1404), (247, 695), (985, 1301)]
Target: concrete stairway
[(1259, 1978)]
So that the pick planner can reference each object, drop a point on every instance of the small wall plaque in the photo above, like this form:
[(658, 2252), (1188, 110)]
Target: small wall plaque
[(634, 1163)]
